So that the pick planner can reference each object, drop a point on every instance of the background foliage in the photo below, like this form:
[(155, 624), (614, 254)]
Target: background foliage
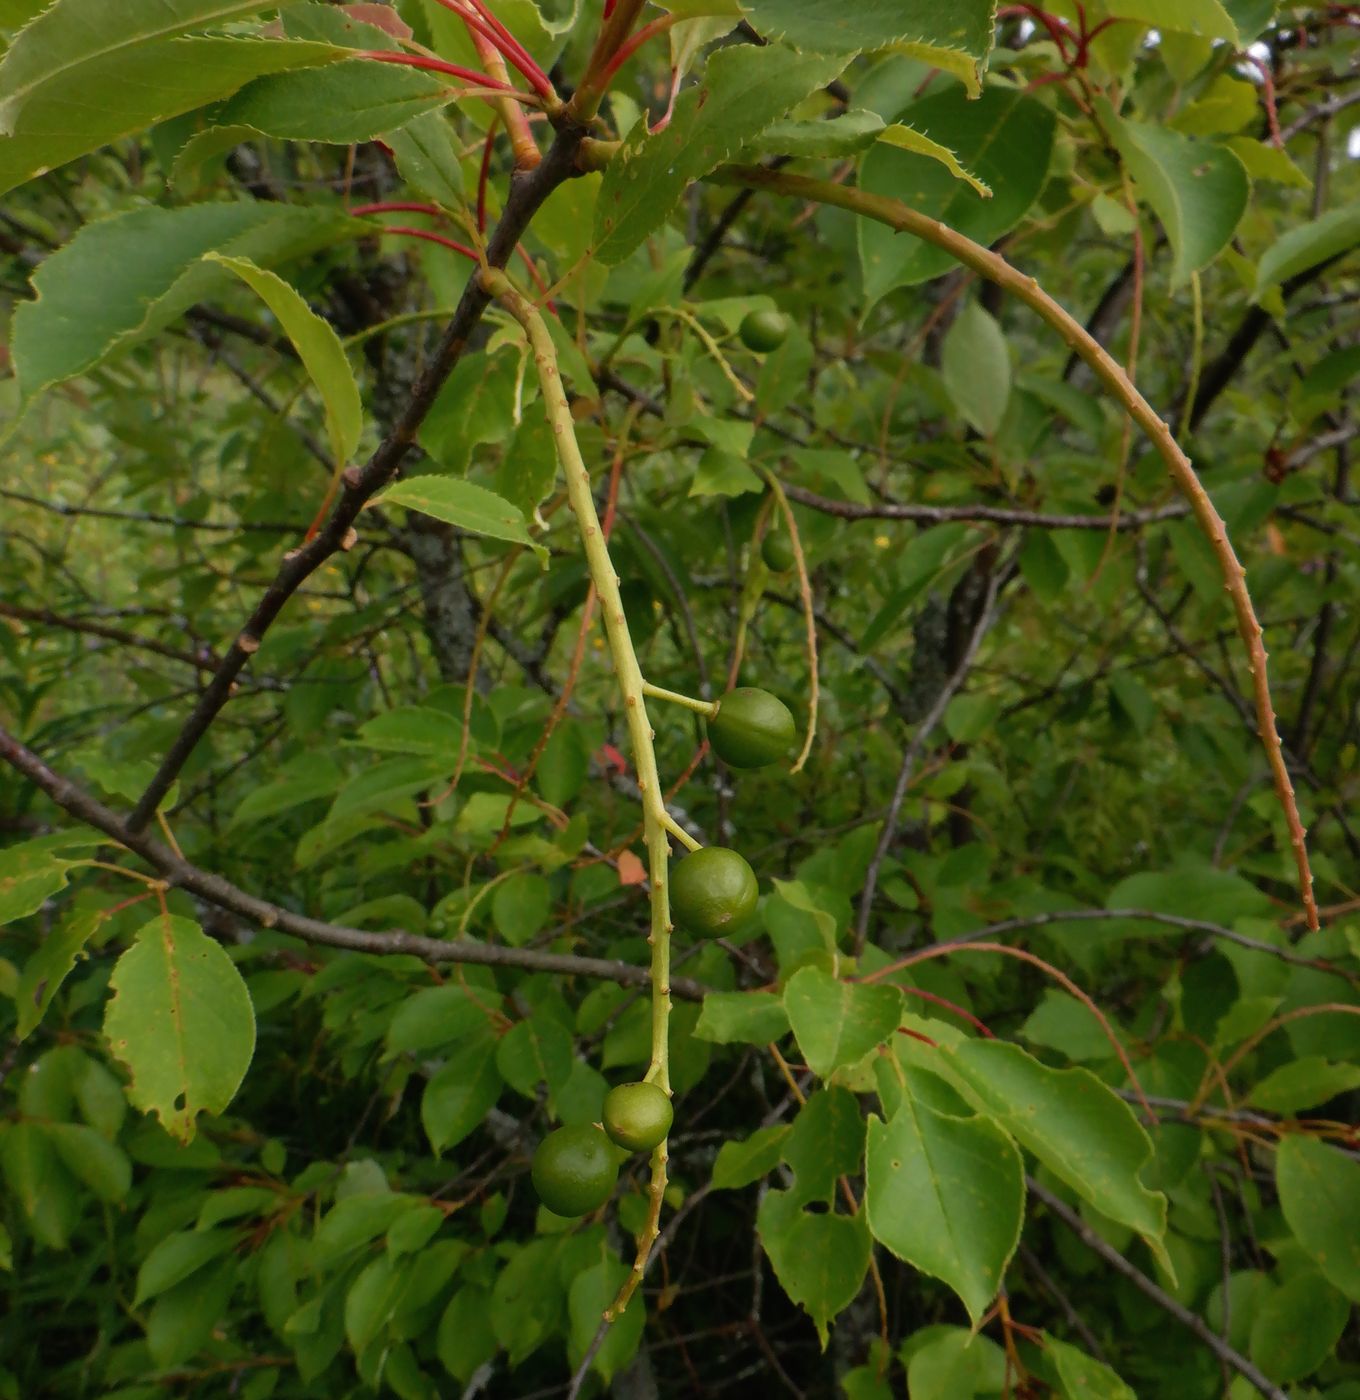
[(323, 881)]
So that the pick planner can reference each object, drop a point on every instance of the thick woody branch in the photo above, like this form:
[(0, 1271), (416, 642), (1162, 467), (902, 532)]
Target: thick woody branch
[(217, 891)]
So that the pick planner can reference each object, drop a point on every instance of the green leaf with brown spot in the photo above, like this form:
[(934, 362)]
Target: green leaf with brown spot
[(181, 1021)]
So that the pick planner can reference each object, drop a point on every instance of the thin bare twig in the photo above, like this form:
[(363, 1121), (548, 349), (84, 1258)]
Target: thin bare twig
[(912, 756), (1148, 1288)]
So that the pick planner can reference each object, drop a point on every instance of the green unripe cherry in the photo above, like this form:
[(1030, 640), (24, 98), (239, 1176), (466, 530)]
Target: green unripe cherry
[(776, 549), (638, 1116), (752, 728), (763, 331), (574, 1170), (712, 891)]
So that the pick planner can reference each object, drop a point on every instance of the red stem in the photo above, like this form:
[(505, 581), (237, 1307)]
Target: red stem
[(538, 279), (461, 248), (948, 1006), (126, 904), (1268, 96), (509, 47), (484, 10), (435, 65), (483, 175), (631, 45), (1058, 31), (664, 120), (322, 511), (396, 207), (916, 1035)]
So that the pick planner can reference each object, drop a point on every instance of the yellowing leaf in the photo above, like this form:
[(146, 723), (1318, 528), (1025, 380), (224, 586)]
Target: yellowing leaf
[(180, 1019)]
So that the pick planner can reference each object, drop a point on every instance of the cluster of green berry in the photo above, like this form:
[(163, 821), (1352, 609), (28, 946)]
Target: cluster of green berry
[(713, 891)]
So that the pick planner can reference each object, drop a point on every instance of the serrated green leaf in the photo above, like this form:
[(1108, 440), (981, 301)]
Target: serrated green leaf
[(744, 89), (854, 131), (72, 33), (318, 347), (1206, 18), (342, 103), (947, 1195), (427, 157), (1003, 137), (462, 503), (838, 1023), (30, 874), (82, 315), (1071, 1121), (460, 1094), (740, 1163), (748, 1018), (907, 138), (180, 1019), (1198, 189), (976, 368), (957, 36), (1307, 245), (1320, 1195), (820, 1260), (836, 136), (92, 103)]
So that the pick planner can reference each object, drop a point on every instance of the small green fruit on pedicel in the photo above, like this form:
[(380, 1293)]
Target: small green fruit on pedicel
[(776, 549), (574, 1170), (752, 728), (763, 331), (713, 890), (638, 1116)]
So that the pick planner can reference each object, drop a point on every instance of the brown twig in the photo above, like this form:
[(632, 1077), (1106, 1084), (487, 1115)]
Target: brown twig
[(1148, 1288), (215, 890)]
